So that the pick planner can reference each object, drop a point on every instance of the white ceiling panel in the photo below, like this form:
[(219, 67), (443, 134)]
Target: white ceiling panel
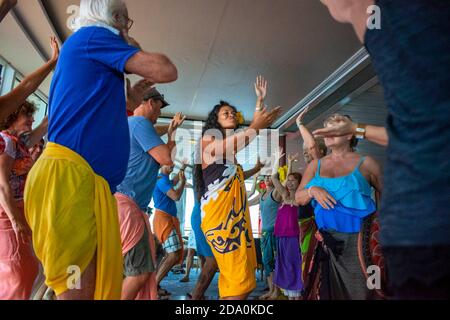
[(220, 47)]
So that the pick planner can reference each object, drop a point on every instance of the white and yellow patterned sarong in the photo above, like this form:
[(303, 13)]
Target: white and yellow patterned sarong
[(227, 227)]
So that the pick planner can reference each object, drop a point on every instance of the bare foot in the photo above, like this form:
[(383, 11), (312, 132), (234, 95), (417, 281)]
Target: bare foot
[(265, 296), (273, 296)]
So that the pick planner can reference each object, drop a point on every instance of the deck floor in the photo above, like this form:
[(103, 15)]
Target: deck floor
[(179, 290)]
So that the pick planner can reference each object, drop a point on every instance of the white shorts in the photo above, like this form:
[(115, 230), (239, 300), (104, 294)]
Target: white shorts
[(191, 242)]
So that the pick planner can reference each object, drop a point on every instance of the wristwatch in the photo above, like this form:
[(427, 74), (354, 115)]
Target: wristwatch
[(360, 131)]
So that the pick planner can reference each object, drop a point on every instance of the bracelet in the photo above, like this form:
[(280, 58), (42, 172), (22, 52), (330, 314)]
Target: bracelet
[(309, 193), (360, 131)]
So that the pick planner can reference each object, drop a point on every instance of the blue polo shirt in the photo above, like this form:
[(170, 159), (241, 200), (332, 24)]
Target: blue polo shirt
[(161, 200), (142, 171), (87, 110)]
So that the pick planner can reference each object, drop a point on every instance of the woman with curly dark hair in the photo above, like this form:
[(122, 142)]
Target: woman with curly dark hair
[(220, 180), (18, 265)]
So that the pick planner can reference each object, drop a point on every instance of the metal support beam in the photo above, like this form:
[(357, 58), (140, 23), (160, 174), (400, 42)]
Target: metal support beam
[(351, 67)]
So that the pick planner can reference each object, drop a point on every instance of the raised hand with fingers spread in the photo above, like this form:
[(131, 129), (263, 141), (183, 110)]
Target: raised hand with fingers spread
[(136, 93), (263, 118), (55, 49), (176, 122), (261, 89), (277, 156), (302, 115), (11, 101)]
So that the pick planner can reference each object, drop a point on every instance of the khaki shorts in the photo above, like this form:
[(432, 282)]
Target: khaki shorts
[(139, 259)]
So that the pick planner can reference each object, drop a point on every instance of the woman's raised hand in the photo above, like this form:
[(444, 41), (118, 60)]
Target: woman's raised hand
[(176, 122), (260, 164), (55, 49), (276, 160), (261, 88), (264, 119), (292, 157), (302, 115)]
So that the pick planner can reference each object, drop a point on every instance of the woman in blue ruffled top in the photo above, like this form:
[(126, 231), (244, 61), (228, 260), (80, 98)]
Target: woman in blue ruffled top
[(339, 187)]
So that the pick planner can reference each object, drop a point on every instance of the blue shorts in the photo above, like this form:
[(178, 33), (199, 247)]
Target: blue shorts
[(203, 248)]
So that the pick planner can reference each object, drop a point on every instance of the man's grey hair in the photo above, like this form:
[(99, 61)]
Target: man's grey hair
[(94, 12)]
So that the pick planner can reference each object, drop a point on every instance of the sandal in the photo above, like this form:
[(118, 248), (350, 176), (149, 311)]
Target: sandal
[(163, 292)]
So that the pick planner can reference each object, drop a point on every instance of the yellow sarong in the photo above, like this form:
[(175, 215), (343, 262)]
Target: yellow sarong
[(73, 216), (227, 227)]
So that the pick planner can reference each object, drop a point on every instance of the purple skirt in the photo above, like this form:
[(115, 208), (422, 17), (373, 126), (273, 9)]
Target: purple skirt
[(288, 267)]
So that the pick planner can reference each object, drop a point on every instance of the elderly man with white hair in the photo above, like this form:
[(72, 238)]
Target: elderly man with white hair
[(69, 199)]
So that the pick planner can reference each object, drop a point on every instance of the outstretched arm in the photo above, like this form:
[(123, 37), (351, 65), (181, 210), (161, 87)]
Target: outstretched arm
[(254, 171), (280, 190), (163, 153), (308, 138), (162, 129), (177, 178), (13, 100), (253, 189), (218, 147), (290, 161), (345, 126), (136, 93), (254, 201), (155, 67)]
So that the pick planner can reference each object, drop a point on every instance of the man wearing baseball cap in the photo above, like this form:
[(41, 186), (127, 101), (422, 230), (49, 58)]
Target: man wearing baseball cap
[(148, 152)]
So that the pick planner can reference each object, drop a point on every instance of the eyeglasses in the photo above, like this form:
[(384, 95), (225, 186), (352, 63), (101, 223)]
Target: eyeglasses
[(130, 23)]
